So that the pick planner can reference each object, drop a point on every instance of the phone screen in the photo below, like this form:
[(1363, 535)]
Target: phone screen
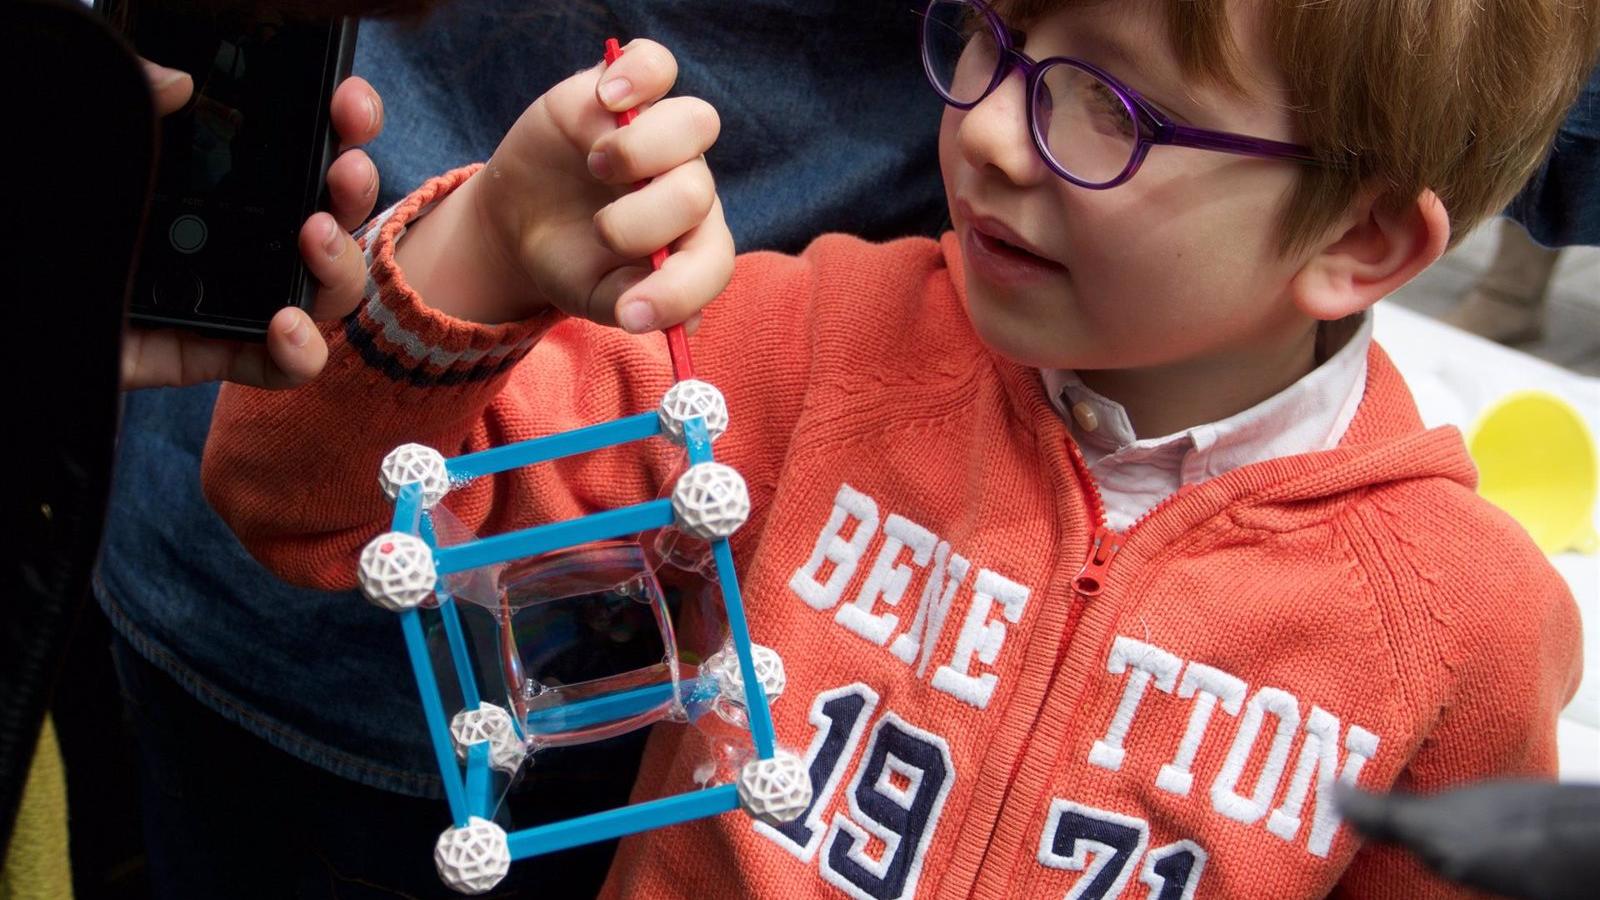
[(241, 166)]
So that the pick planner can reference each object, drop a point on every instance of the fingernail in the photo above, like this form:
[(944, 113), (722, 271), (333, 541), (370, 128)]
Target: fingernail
[(374, 115), (599, 165), (300, 333), (160, 76), (372, 180), (614, 90), (637, 316), (332, 241)]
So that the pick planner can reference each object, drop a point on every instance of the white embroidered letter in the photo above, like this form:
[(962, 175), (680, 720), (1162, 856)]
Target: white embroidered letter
[(1148, 661), (1225, 797), (845, 555), (1360, 745), (915, 645), (1206, 685), (1319, 753), (982, 636), (888, 579)]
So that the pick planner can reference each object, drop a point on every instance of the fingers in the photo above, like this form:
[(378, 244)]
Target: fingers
[(335, 260), (357, 112), (644, 74), (638, 223), (668, 134), (352, 188), (584, 106), (692, 276), (663, 145), (295, 353), (169, 88)]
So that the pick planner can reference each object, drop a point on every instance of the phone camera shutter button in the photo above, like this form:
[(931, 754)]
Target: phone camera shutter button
[(187, 234)]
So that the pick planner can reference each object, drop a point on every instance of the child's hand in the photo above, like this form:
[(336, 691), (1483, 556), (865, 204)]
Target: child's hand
[(294, 350), (553, 218)]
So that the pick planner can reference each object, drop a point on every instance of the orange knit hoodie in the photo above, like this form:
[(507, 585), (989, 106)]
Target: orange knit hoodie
[(996, 696)]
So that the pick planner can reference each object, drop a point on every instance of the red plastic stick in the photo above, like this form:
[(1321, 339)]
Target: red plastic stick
[(677, 342)]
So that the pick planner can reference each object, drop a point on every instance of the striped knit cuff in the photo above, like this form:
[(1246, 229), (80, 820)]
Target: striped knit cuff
[(396, 333)]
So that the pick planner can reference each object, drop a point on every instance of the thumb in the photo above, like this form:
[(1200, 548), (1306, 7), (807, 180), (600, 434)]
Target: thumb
[(170, 88)]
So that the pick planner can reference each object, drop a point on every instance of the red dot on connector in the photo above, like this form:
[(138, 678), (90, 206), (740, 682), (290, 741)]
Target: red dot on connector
[(386, 547)]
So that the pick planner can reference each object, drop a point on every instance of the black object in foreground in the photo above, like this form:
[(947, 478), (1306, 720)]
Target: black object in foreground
[(1529, 839), (81, 144)]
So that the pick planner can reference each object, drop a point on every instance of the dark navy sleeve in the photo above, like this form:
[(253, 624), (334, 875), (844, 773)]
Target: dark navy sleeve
[(1560, 205)]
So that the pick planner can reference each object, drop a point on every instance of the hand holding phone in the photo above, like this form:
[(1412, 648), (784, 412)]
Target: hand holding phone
[(294, 350)]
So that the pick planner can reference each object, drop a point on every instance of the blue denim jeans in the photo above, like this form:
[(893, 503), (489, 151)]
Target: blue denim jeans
[(229, 816), (827, 125)]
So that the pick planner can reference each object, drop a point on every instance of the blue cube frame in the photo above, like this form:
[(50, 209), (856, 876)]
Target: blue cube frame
[(468, 787)]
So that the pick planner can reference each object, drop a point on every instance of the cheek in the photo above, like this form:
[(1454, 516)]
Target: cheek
[(949, 149), (1178, 245)]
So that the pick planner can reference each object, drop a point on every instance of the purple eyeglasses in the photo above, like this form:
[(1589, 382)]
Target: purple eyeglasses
[(1090, 128)]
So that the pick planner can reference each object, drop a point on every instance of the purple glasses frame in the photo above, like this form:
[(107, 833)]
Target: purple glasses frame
[(1152, 126)]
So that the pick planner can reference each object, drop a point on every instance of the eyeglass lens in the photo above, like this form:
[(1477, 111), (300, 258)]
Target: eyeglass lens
[(1086, 126)]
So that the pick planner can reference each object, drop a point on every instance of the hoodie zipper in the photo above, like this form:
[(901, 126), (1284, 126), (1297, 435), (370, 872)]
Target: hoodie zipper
[(1107, 541), (1090, 580), (1092, 577)]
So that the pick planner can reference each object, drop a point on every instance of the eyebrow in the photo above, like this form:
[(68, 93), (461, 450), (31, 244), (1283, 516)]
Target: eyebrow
[(1157, 80)]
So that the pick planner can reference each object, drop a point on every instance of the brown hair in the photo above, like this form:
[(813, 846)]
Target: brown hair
[(1460, 96)]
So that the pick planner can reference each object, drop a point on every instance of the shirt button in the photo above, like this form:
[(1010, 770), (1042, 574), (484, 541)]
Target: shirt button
[(1086, 417)]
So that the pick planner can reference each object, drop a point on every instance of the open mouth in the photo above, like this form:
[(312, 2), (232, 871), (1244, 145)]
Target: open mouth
[(1010, 252)]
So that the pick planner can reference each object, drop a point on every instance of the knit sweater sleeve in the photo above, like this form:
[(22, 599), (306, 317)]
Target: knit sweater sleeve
[(1508, 647), (294, 473)]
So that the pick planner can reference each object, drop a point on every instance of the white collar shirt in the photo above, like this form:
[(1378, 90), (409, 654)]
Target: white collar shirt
[(1136, 474)]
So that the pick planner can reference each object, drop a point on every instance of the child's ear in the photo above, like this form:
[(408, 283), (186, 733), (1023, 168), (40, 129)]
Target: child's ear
[(1377, 252)]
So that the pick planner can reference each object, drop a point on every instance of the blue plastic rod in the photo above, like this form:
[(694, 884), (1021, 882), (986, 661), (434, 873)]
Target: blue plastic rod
[(626, 820), (605, 708), (480, 786), (556, 446), (458, 651), (408, 510), (433, 710), (699, 444), (755, 698), (612, 523), (697, 440), (453, 633)]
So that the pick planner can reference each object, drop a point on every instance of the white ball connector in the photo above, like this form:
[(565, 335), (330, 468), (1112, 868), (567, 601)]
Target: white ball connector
[(396, 571), (723, 666), (775, 790), (710, 501), (493, 724), (690, 399), (415, 463), (473, 859)]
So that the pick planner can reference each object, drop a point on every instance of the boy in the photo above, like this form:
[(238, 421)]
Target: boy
[(1097, 540)]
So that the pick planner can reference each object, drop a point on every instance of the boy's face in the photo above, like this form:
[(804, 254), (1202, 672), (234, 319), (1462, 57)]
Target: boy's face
[(1178, 266)]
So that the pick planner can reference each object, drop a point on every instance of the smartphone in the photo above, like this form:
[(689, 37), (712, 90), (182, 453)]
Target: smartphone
[(241, 166)]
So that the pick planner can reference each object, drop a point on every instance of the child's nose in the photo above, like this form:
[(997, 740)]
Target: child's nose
[(995, 134)]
